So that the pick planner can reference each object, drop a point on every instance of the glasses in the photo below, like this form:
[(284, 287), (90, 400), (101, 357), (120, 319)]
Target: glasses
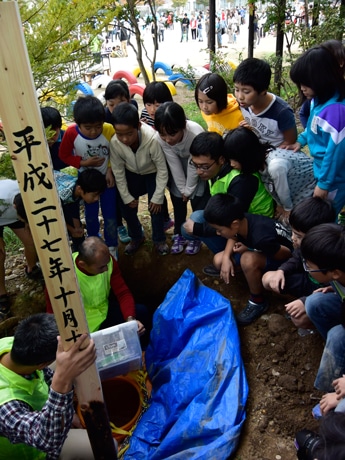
[(312, 270), (201, 167)]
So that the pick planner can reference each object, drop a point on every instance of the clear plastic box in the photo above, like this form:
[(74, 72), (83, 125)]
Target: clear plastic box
[(118, 350)]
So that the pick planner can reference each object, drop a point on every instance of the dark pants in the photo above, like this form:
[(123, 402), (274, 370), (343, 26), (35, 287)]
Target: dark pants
[(180, 209), (139, 185)]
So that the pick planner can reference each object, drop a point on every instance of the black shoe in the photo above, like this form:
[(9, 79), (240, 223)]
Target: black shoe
[(211, 270), (251, 312)]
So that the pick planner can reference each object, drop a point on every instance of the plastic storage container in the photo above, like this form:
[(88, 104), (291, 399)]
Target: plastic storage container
[(118, 350)]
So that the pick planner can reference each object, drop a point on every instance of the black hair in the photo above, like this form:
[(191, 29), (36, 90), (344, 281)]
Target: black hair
[(208, 144), (35, 340), (255, 73), (324, 246), (92, 180), (20, 209), (243, 145), (318, 69), (310, 212), (336, 48), (51, 117), (125, 114), (156, 91), (332, 437), (170, 116), (88, 109), (222, 209), (214, 86), (89, 248), (116, 88)]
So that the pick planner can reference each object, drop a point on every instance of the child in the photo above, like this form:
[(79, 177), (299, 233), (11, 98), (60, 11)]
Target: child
[(271, 118), (88, 186), (323, 250), (155, 94), (254, 242), (317, 75), (139, 167), (219, 109), (116, 92), (86, 145), (52, 119), (291, 278), (176, 134)]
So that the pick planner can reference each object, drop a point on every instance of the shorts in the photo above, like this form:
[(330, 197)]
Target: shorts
[(14, 225)]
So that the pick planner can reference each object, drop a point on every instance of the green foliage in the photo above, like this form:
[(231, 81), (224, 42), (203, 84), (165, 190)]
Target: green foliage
[(222, 66), (12, 242), (6, 167)]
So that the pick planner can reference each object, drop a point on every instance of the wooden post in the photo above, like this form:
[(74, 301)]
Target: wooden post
[(25, 135)]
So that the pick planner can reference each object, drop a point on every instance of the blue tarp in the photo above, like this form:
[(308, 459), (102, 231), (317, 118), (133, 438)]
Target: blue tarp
[(200, 389)]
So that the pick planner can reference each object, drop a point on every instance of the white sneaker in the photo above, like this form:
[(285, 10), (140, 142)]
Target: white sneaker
[(114, 252)]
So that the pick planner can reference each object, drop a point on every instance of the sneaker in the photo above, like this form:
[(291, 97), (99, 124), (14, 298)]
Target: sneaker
[(178, 245), (114, 252), (123, 234), (211, 270), (251, 312), (162, 249), (193, 247), (133, 246), (168, 224)]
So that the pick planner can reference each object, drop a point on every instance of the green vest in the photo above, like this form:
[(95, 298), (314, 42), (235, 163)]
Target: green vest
[(95, 291), (262, 202), (33, 392)]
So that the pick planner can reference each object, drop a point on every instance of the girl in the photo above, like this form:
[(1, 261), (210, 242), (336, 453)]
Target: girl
[(317, 75), (219, 109), (246, 156), (176, 134)]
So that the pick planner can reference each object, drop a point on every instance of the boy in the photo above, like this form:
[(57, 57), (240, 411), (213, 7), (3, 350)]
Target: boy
[(270, 117), (323, 250), (88, 186), (254, 242), (86, 145), (290, 278), (52, 119), (139, 167)]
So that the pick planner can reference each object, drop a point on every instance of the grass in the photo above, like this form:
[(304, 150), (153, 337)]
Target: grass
[(12, 242), (193, 113)]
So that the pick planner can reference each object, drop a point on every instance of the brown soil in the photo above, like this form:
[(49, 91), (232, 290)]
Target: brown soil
[(280, 365)]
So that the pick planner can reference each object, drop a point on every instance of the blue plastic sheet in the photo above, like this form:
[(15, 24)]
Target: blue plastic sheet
[(199, 384)]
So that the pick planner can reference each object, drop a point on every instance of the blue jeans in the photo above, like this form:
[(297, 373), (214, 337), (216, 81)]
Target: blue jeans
[(139, 185), (324, 311), (108, 207), (332, 365)]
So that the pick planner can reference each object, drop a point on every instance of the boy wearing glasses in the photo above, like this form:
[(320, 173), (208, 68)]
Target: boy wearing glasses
[(323, 249), (291, 277)]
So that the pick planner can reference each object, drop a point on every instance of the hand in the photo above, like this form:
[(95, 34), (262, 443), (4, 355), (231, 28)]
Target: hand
[(188, 226), (141, 328), (319, 192), (226, 269), (240, 248), (328, 402), (275, 280), (324, 290), (339, 387), (133, 204), (295, 308), (185, 198), (295, 147), (245, 124), (71, 363), (109, 177), (154, 208), (93, 162)]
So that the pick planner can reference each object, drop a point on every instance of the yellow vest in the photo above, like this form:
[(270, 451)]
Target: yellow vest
[(95, 291), (15, 387)]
